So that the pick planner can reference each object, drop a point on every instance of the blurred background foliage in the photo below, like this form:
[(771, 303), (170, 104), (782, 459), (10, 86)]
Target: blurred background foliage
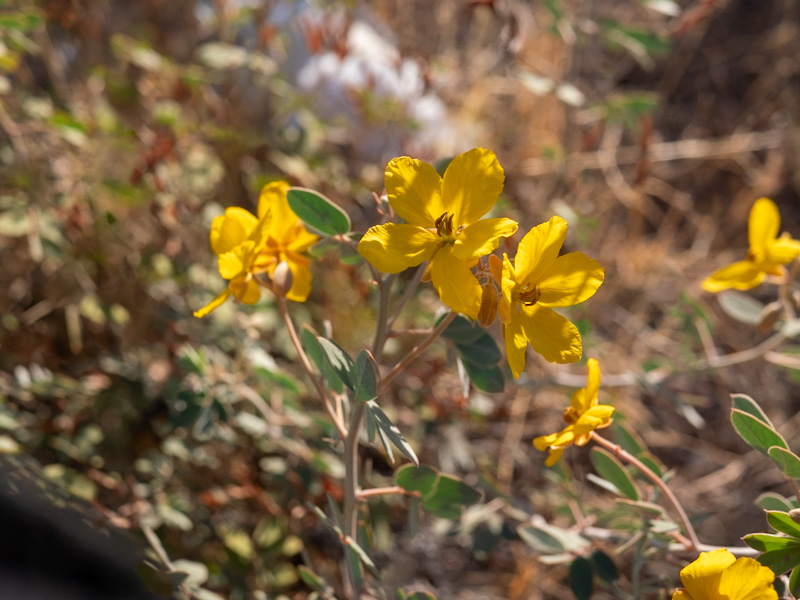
[(650, 125)]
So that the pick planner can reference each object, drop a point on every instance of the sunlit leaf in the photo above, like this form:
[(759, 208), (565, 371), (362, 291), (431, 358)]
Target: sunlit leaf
[(764, 542), (781, 560), (753, 431), (783, 523), (339, 360), (318, 212), (367, 376), (384, 423), (740, 306), (786, 460)]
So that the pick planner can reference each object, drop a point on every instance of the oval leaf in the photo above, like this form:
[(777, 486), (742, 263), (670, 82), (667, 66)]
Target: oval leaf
[(461, 330), (764, 542), (753, 431), (367, 377), (786, 460), (486, 379), (746, 404), (482, 352), (781, 560), (339, 360), (389, 430), (611, 469), (318, 212), (740, 307), (581, 575), (783, 523), (449, 497), (420, 479), (773, 501), (604, 566), (314, 350), (551, 539), (794, 582)]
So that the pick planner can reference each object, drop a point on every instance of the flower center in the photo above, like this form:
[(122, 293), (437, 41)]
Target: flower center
[(571, 415), (529, 297), (444, 225)]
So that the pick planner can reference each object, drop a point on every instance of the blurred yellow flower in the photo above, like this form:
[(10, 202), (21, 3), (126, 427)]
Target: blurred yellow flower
[(443, 224), (538, 280), (288, 239), (767, 252), (719, 575), (247, 245), (583, 417)]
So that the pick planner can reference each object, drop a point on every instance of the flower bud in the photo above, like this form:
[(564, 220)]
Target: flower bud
[(488, 309), (794, 514), (282, 278)]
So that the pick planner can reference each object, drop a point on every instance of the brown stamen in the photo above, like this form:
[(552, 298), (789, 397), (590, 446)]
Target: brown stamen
[(530, 297)]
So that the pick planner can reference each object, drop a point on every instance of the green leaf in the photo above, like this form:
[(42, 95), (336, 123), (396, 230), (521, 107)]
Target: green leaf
[(648, 508), (339, 360), (781, 560), (746, 404), (604, 566), (786, 460), (318, 212), (312, 347), (740, 307), (764, 542), (390, 431), (351, 544), (611, 469), (631, 443), (354, 564), (311, 579), (461, 330), (482, 352), (490, 380), (367, 377), (551, 539), (794, 582), (755, 432), (420, 479), (783, 523), (581, 578), (773, 501), (420, 596), (449, 497)]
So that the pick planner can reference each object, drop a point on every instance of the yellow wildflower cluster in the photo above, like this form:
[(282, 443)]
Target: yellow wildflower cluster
[(444, 226), (247, 246)]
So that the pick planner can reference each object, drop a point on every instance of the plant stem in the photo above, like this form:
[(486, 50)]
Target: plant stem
[(298, 346), (795, 489), (645, 470), (417, 350), (412, 287), (384, 491)]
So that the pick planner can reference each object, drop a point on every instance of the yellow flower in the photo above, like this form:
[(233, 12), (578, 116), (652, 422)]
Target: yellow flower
[(767, 252), (288, 239), (247, 245), (719, 575), (583, 417), (443, 224), (539, 280)]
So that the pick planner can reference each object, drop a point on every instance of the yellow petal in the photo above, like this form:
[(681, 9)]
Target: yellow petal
[(681, 594), (554, 455), (701, 578), (414, 189), (747, 579), (246, 290), (301, 281), (595, 418), (272, 197), (215, 303), (763, 226), (584, 398), (573, 278), (231, 263), (472, 183), (742, 275), (458, 288), (392, 248), (482, 237), (550, 334), (516, 344), (507, 284), (231, 229), (539, 249), (783, 250), (302, 240)]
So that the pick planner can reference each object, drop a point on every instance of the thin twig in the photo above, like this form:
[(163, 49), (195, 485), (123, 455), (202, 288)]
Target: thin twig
[(384, 491), (412, 287), (647, 472)]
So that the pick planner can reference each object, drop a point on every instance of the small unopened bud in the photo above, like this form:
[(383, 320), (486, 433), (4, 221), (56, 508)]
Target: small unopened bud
[(496, 268), (488, 309), (282, 278), (794, 514)]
